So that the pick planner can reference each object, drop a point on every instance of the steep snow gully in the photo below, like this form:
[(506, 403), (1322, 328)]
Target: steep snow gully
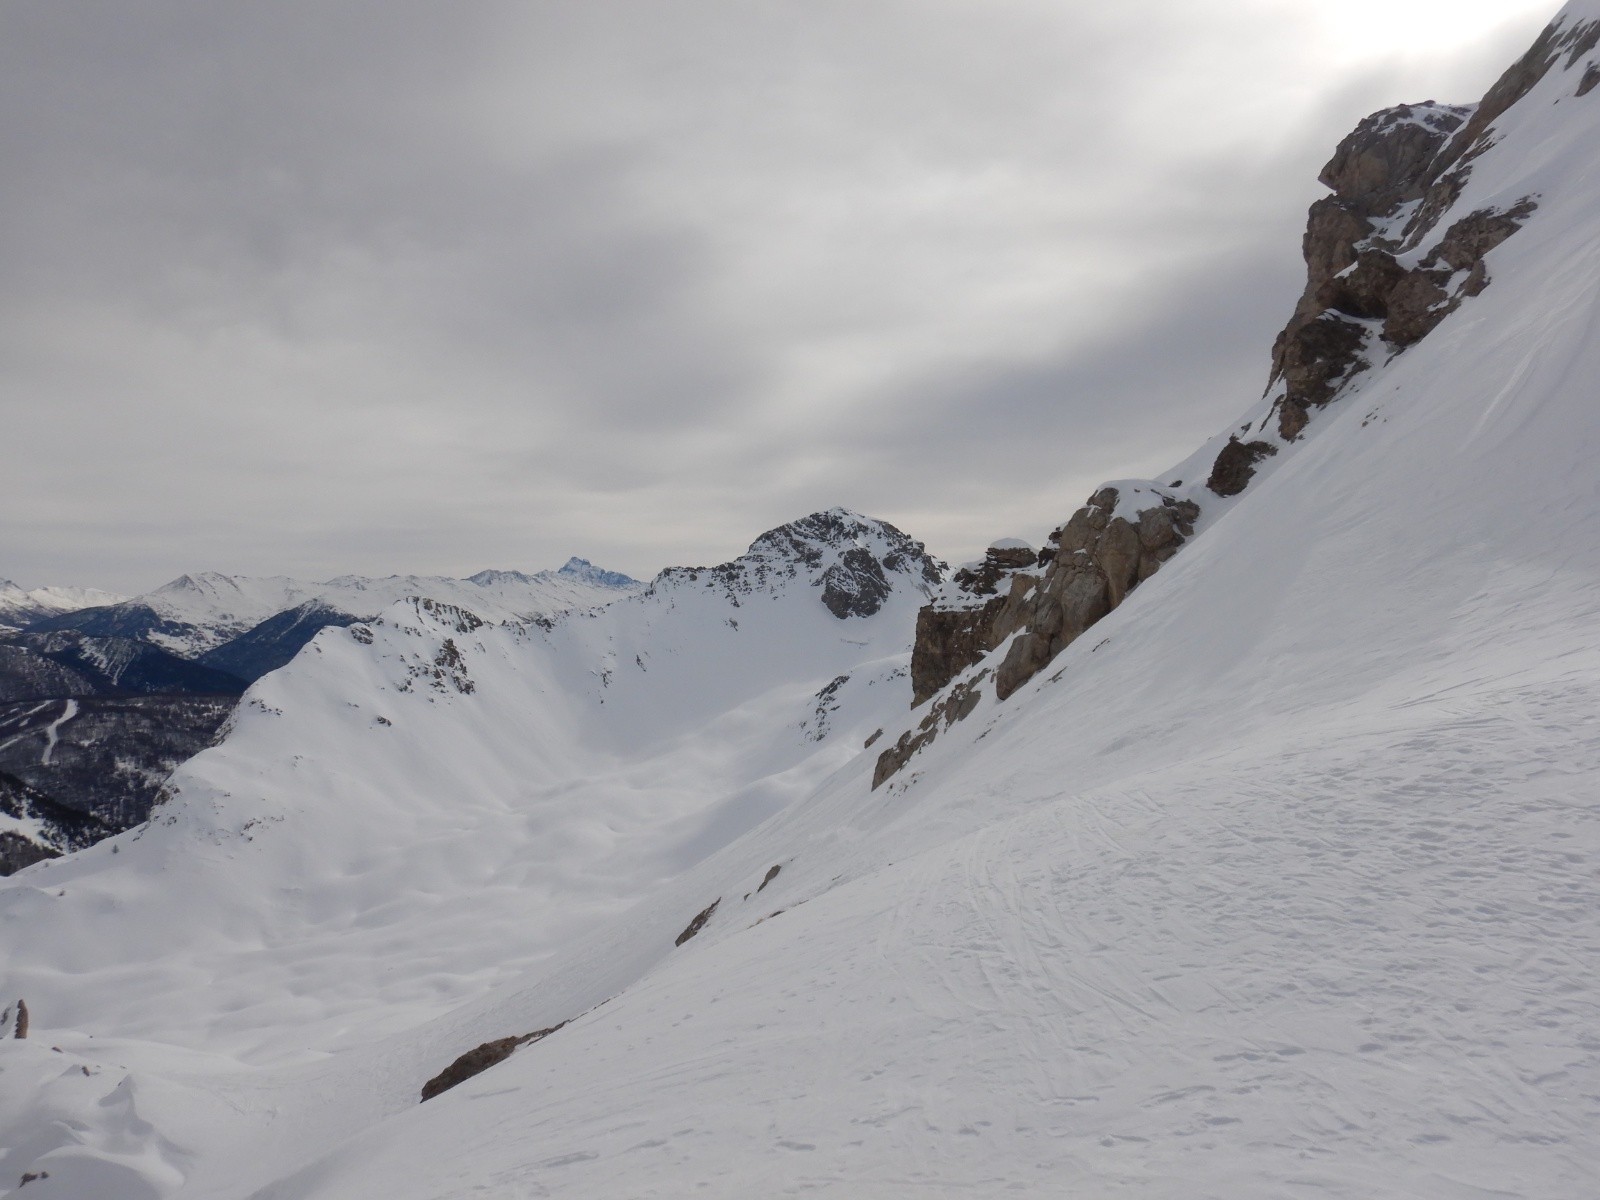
[(1281, 884)]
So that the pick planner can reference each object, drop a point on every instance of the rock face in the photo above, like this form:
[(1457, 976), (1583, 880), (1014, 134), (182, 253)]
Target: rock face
[(1096, 559), (1393, 178), (1100, 557), (1236, 465), (955, 705), (983, 605)]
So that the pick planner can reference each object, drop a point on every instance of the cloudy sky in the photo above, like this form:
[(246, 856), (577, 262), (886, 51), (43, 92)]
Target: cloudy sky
[(323, 286)]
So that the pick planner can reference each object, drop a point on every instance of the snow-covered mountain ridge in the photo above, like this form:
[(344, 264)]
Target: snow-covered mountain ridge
[(201, 612), (136, 690), (19, 608), (582, 758), (1282, 884)]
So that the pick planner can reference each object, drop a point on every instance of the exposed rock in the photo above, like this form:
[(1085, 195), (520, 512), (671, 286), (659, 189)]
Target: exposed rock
[(955, 705), (855, 586), (699, 922), (770, 876), (984, 603), (451, 616), (1236, 464), (1099, 557), (1591, 78), (1412, 157), (480, 1059), (22, 1019), (1440, 186), (827, 704)]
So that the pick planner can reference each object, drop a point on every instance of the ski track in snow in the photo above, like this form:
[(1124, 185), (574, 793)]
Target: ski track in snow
[(69, 709)]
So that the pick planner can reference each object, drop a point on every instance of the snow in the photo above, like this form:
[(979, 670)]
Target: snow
[(18, 606), (1283, 884), (218, 607), (69, 709)]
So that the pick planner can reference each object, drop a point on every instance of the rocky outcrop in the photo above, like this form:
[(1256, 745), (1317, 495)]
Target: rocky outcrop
[(480, 1058), (1382, 270), (984, 604), (699, 922), (1394, 178), (855, 586), (1095, 560), (1236, 465), (955, 705), (1100, 557)]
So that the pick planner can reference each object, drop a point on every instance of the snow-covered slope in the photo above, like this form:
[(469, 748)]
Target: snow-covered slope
[(1280, 885), (433, 780)]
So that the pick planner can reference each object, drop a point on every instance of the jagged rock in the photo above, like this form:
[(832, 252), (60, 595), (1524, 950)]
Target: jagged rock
[(1379, 162), (1315, 357), (699, 922), (855, 586), (1591, 79), (1236, 464), (1101, 557), (1440, 186), (984, 605), (1467, 241), (955, 706), (480, 1059), (1097, 559), (451, 616), (1416, 155)]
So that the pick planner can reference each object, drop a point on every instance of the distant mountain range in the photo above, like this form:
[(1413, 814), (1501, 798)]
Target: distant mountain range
[(102, 695)]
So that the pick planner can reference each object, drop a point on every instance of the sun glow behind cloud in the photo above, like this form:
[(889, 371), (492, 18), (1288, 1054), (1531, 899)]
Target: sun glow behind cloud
[(1355, 31)]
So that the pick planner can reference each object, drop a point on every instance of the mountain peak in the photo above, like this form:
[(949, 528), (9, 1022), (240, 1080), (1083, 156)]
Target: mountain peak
[(857, 561), (582, 568)]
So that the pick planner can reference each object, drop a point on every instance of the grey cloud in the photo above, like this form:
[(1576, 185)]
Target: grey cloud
[(357, 286)]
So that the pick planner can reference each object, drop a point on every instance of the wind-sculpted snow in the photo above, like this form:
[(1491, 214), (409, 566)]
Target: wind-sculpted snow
[(1280, 885)]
